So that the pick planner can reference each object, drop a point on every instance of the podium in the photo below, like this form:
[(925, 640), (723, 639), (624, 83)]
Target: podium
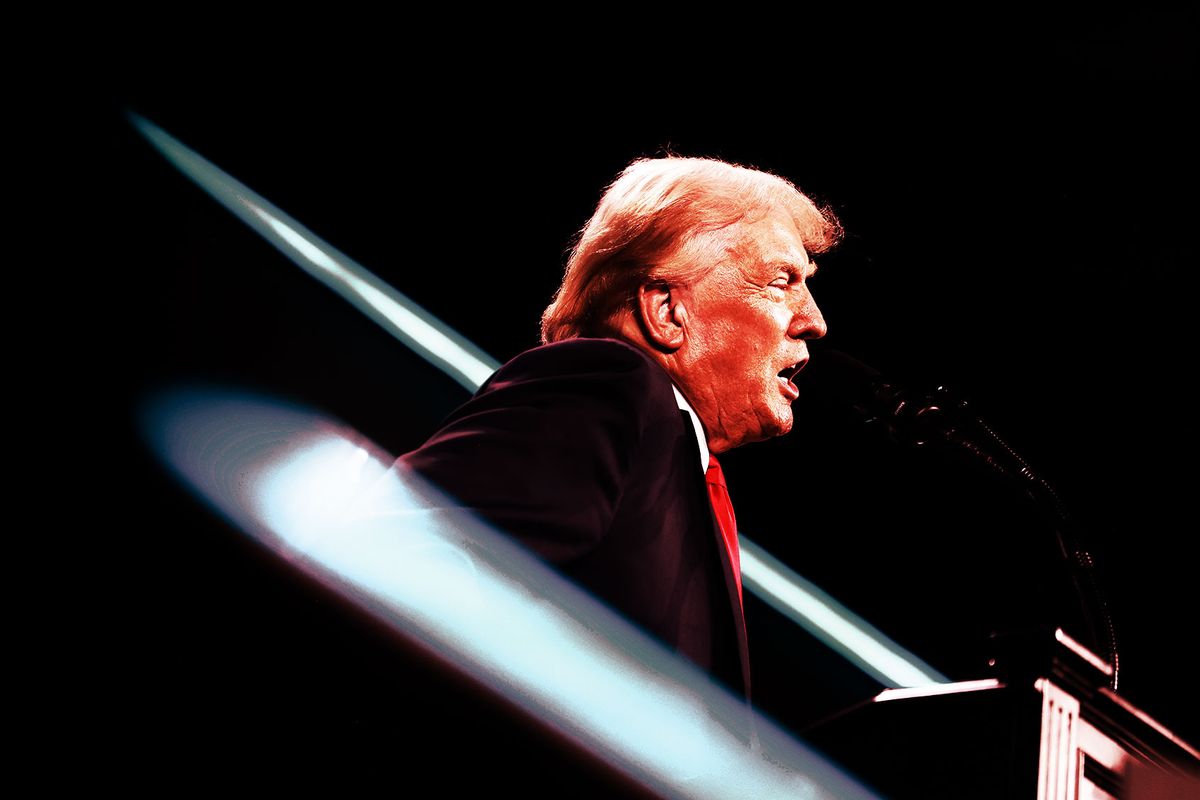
[(1048, 727)]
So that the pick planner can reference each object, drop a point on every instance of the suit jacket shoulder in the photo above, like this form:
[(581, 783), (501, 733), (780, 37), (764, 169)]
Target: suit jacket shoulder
[(579, 450), (547, 446)]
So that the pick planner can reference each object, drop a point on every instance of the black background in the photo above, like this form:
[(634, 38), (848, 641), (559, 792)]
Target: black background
[(1019, 200)]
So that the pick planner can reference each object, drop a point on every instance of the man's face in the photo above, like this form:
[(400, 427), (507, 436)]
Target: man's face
[(745, 323)]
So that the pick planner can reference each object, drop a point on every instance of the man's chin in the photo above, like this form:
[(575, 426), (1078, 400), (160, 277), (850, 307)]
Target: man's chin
[(778, 425), (769, 427)]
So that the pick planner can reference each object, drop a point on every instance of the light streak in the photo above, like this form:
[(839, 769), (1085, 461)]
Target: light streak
[(831, 622), (434, 573), (398, 314)]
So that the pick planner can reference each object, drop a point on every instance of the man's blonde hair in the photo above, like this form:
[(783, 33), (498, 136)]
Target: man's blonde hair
[(653, 208)]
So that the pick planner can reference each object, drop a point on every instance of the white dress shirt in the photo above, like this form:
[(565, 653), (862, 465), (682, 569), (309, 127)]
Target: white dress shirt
[(684, 405)]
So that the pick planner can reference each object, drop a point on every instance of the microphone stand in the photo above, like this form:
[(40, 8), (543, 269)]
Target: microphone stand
[(943, 420)]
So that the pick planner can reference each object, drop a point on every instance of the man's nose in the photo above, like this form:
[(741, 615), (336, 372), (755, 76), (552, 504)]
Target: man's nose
[(807, 321)]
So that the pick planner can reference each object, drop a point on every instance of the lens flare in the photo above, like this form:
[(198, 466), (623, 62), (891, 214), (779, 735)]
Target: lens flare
[(326, 500)]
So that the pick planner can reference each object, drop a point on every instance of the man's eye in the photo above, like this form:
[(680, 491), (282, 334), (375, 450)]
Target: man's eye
[(782, 282)]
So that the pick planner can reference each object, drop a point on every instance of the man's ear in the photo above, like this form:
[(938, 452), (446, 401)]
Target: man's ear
[(662, 315)]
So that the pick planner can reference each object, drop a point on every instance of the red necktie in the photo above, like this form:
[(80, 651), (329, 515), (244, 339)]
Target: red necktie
[(718, 494)]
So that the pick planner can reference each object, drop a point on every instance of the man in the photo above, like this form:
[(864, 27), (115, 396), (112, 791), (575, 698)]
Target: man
[(681, 320)]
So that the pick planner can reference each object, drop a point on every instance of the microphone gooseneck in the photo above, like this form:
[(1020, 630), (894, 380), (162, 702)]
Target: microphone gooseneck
[(942, 419)]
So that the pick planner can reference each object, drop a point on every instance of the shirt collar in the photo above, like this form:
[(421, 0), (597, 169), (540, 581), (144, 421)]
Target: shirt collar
[(685, 406)]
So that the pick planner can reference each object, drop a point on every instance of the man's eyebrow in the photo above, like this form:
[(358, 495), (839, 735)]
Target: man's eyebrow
[(809, 269)]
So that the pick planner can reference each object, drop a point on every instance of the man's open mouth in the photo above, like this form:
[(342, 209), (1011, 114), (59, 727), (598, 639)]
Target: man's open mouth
[(786, 375)]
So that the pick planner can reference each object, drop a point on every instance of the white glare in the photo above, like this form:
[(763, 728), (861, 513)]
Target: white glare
[(313, 489), (441, 577), (831, 622)]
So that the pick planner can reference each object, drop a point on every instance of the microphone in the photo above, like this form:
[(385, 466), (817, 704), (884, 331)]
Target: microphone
[(908, 416), (942, 419)]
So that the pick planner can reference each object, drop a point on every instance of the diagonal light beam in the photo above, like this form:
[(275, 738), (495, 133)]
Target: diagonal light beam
[(323, 498), (399, 315), (808, 606), (436, 341)]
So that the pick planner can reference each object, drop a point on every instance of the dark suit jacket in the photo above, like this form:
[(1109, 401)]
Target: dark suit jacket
[(580, 451)]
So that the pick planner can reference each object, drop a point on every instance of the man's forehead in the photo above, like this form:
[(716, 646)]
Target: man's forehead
[(773, 240), (750, 246)]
